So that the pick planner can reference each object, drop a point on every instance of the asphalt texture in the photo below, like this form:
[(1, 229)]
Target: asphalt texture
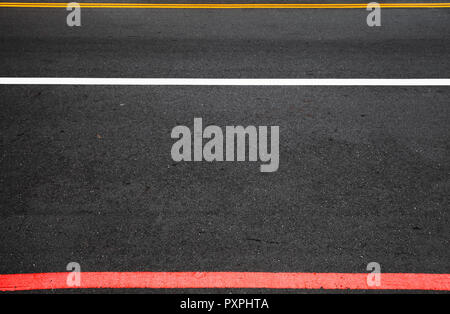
[(86, 173)]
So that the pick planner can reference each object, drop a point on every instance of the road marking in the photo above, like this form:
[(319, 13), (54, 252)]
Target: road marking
[(224, 5), (223, 81), (171, 280)]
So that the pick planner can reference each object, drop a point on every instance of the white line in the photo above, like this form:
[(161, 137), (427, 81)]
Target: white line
[(220, 81)]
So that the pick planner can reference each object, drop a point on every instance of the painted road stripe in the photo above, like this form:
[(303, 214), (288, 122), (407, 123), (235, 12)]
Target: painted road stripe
[(224, 5), (221, 81), (164, 280)]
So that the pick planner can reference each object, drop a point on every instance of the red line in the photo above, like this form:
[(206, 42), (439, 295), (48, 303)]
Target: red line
[(401, 281)]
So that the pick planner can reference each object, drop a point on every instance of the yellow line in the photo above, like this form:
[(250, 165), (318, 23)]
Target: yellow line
[(223, 5)]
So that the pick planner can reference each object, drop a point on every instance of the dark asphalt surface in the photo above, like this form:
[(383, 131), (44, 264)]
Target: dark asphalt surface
[(225, 43), (86, 173)]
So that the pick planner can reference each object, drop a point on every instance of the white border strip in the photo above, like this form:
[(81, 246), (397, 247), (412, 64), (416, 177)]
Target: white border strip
[(220, 81)]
